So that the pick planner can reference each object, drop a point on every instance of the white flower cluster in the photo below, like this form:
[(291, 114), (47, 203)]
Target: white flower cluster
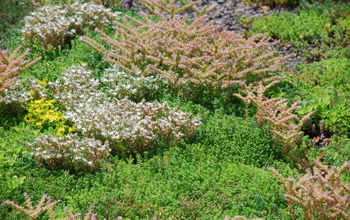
[(18, 95), (129, 127), (56, 25), (69, 152), (120, 84)]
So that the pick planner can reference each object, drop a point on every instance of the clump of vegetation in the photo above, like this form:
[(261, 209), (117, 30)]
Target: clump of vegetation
[(119, 84), (20, 94), (57, 25), (122, 153), (332, 8), (195, 56), (43, 114), (319, 192), (130, 128), (276, 112), (327, 73), (326, 91), (299, 30), (11, 67), (69, 153)]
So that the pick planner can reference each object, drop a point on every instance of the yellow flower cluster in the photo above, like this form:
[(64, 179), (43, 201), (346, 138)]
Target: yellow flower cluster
[(42, 114)]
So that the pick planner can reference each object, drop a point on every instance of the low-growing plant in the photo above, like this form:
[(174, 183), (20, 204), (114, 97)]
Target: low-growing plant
[(340, 32), (43, 114), (69, 152), (57, 25), (8, 180), (119, 84), (202, 190), (325, 88), (193, 56), (337, 152), (129, 127), (320, 192), (237, 140), (299, 30), (19, 94), (11, 67), (327, 73), (276, 112), (11, 148), (335, 115), (48, 207), (45, 205), (332, 8)]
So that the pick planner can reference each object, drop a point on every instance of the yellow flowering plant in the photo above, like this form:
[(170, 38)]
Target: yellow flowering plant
[(43, 114)]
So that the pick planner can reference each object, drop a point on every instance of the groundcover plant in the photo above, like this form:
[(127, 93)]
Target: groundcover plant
[(114, 114)]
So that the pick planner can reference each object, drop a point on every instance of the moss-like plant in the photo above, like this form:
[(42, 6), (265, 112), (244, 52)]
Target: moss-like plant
[(299, 30)]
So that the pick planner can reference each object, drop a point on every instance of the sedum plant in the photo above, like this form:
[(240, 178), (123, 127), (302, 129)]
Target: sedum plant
[(334, 9), (119, 84), (11, 67), (57, 25), (18, 95), (129, 127), (197, 54), (299, 30), (69, 152), (320, 192), (42, 114), (45, 205), (327, 73)]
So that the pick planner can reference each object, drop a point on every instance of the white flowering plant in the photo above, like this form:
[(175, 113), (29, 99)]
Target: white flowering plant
[(130, 128), (119, 84), (69, 152), (56, 25), (20, 93)]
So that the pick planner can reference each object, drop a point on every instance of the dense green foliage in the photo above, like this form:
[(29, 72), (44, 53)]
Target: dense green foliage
[(219, 170), (299, 30)]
